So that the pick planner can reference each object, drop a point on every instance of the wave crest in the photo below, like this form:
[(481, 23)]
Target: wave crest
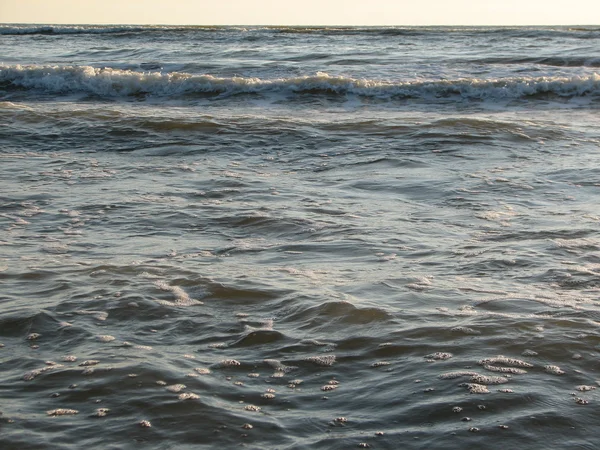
[(108, 82)]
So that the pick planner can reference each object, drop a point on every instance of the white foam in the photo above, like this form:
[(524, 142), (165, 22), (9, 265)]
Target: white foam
[(110, 82), (512, 362), (181, 297), (176, 387), (555, 370), (62, 412), (324, 360), (475, 388), (485, 379)]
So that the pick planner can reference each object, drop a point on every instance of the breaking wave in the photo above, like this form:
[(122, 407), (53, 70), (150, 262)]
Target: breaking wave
[(108, 82)]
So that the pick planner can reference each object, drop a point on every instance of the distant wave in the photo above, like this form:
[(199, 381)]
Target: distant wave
[(520, 32), (98, 29), (108, 82)]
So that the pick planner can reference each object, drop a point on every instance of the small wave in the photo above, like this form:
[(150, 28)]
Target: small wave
[(56, 29), (117, 29), (108, 82), (270, 30), (566, 61), (389, 31), (16, 30)]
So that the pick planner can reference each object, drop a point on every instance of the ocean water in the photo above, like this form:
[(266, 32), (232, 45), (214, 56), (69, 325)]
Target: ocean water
[(299, 237)]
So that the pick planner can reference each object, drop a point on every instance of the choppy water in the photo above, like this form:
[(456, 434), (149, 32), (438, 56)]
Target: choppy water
[(295, 238)]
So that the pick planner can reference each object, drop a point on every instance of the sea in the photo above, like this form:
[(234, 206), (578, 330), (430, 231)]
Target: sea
[(299, 237)]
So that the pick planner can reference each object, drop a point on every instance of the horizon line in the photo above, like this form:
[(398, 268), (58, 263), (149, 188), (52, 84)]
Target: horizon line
[(297, 25)]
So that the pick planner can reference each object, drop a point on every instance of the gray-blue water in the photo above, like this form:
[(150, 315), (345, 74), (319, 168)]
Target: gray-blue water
[(299, 238)]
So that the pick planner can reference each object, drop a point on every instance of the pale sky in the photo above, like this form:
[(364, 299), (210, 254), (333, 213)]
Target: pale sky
[(303, 12)]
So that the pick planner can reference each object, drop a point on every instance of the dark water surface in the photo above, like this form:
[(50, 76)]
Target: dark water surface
[(299, 238)]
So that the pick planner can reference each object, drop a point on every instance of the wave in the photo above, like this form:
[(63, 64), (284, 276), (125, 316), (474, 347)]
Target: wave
[(555, 61), (129, 29), (113, 83), (101, 29), (390, 31)]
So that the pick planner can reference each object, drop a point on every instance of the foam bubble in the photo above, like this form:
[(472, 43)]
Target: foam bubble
[(188, 396), (218, 345), (585, 388), (181, 297), (229, 363), (101, 412), (143, 347), (453, 375), (465, 330), (176, 387), (380, 364), (279, 366), (503, 360), (32, 374), (37, 372), (439, 356), (555, 370), (475, 388), (89, 362), (511, 370), (62, 412), (322, 360)]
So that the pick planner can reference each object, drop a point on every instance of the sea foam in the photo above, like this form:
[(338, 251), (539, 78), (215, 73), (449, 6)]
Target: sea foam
[(110, 82)]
